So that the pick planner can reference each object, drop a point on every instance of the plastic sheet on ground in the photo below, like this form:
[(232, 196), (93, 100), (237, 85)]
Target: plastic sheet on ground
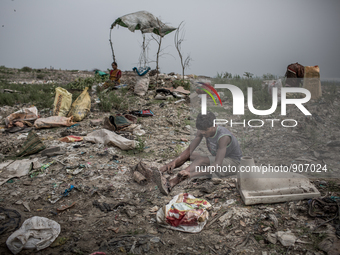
[(184, 213), (25, 114), (108, 137), (35, 233), (11, 169), (54, 121)]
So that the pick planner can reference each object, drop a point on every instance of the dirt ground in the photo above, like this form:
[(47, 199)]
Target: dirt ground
[(128, 225)]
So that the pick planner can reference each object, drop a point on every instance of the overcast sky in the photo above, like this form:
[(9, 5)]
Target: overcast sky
[(257, 36)]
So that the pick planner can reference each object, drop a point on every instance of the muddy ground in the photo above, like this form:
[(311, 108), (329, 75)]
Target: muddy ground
[(128, 225)]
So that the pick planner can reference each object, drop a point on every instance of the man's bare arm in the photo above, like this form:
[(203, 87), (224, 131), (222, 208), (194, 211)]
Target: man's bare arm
[(222, 148), (184, 156)]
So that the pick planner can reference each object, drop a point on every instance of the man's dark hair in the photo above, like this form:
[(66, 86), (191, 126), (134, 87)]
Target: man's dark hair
[(203, 122)]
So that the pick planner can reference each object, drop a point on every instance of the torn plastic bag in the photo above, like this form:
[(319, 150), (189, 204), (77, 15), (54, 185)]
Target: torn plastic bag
[(108, 137), (62, 102), (53, 121), (25, 114), (143, 21), (135, 129), (18, 168), (141, 71), (35, 233), (184, 213), (138, 130)]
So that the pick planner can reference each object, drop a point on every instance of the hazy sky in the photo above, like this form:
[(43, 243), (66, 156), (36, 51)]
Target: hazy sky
[(258, 36)]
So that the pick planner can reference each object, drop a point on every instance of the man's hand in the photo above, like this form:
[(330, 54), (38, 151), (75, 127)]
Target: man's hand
[(168, 167), (184, 174)]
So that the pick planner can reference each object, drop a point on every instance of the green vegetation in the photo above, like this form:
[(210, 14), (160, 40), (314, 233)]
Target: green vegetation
[(258, 237), (333, 186), (269, 76), (33, 94), (40, 76), (140, 144), (184, 83), (152, 86), (26, 69), (82, 83), (40, 95), (172, 152), (225, 75), (113, 100), (5, 70)]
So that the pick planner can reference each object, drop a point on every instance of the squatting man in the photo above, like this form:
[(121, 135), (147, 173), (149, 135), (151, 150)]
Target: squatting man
[(222, 144)]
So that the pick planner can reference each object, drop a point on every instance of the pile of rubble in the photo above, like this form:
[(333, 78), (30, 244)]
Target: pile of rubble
[(94, 200)]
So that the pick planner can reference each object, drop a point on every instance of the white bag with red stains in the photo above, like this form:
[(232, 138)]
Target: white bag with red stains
[(184, 213)]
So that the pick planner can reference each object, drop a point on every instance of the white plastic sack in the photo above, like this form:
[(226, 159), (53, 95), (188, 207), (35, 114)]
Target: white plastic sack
[(142, 84), (108, 137), (35, 233)]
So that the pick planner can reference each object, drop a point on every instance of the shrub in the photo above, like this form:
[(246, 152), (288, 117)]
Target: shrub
[(26, 69), (40, 76), (184, 83), (140, 145), (37, 94), (112, 100), (82, 83)]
